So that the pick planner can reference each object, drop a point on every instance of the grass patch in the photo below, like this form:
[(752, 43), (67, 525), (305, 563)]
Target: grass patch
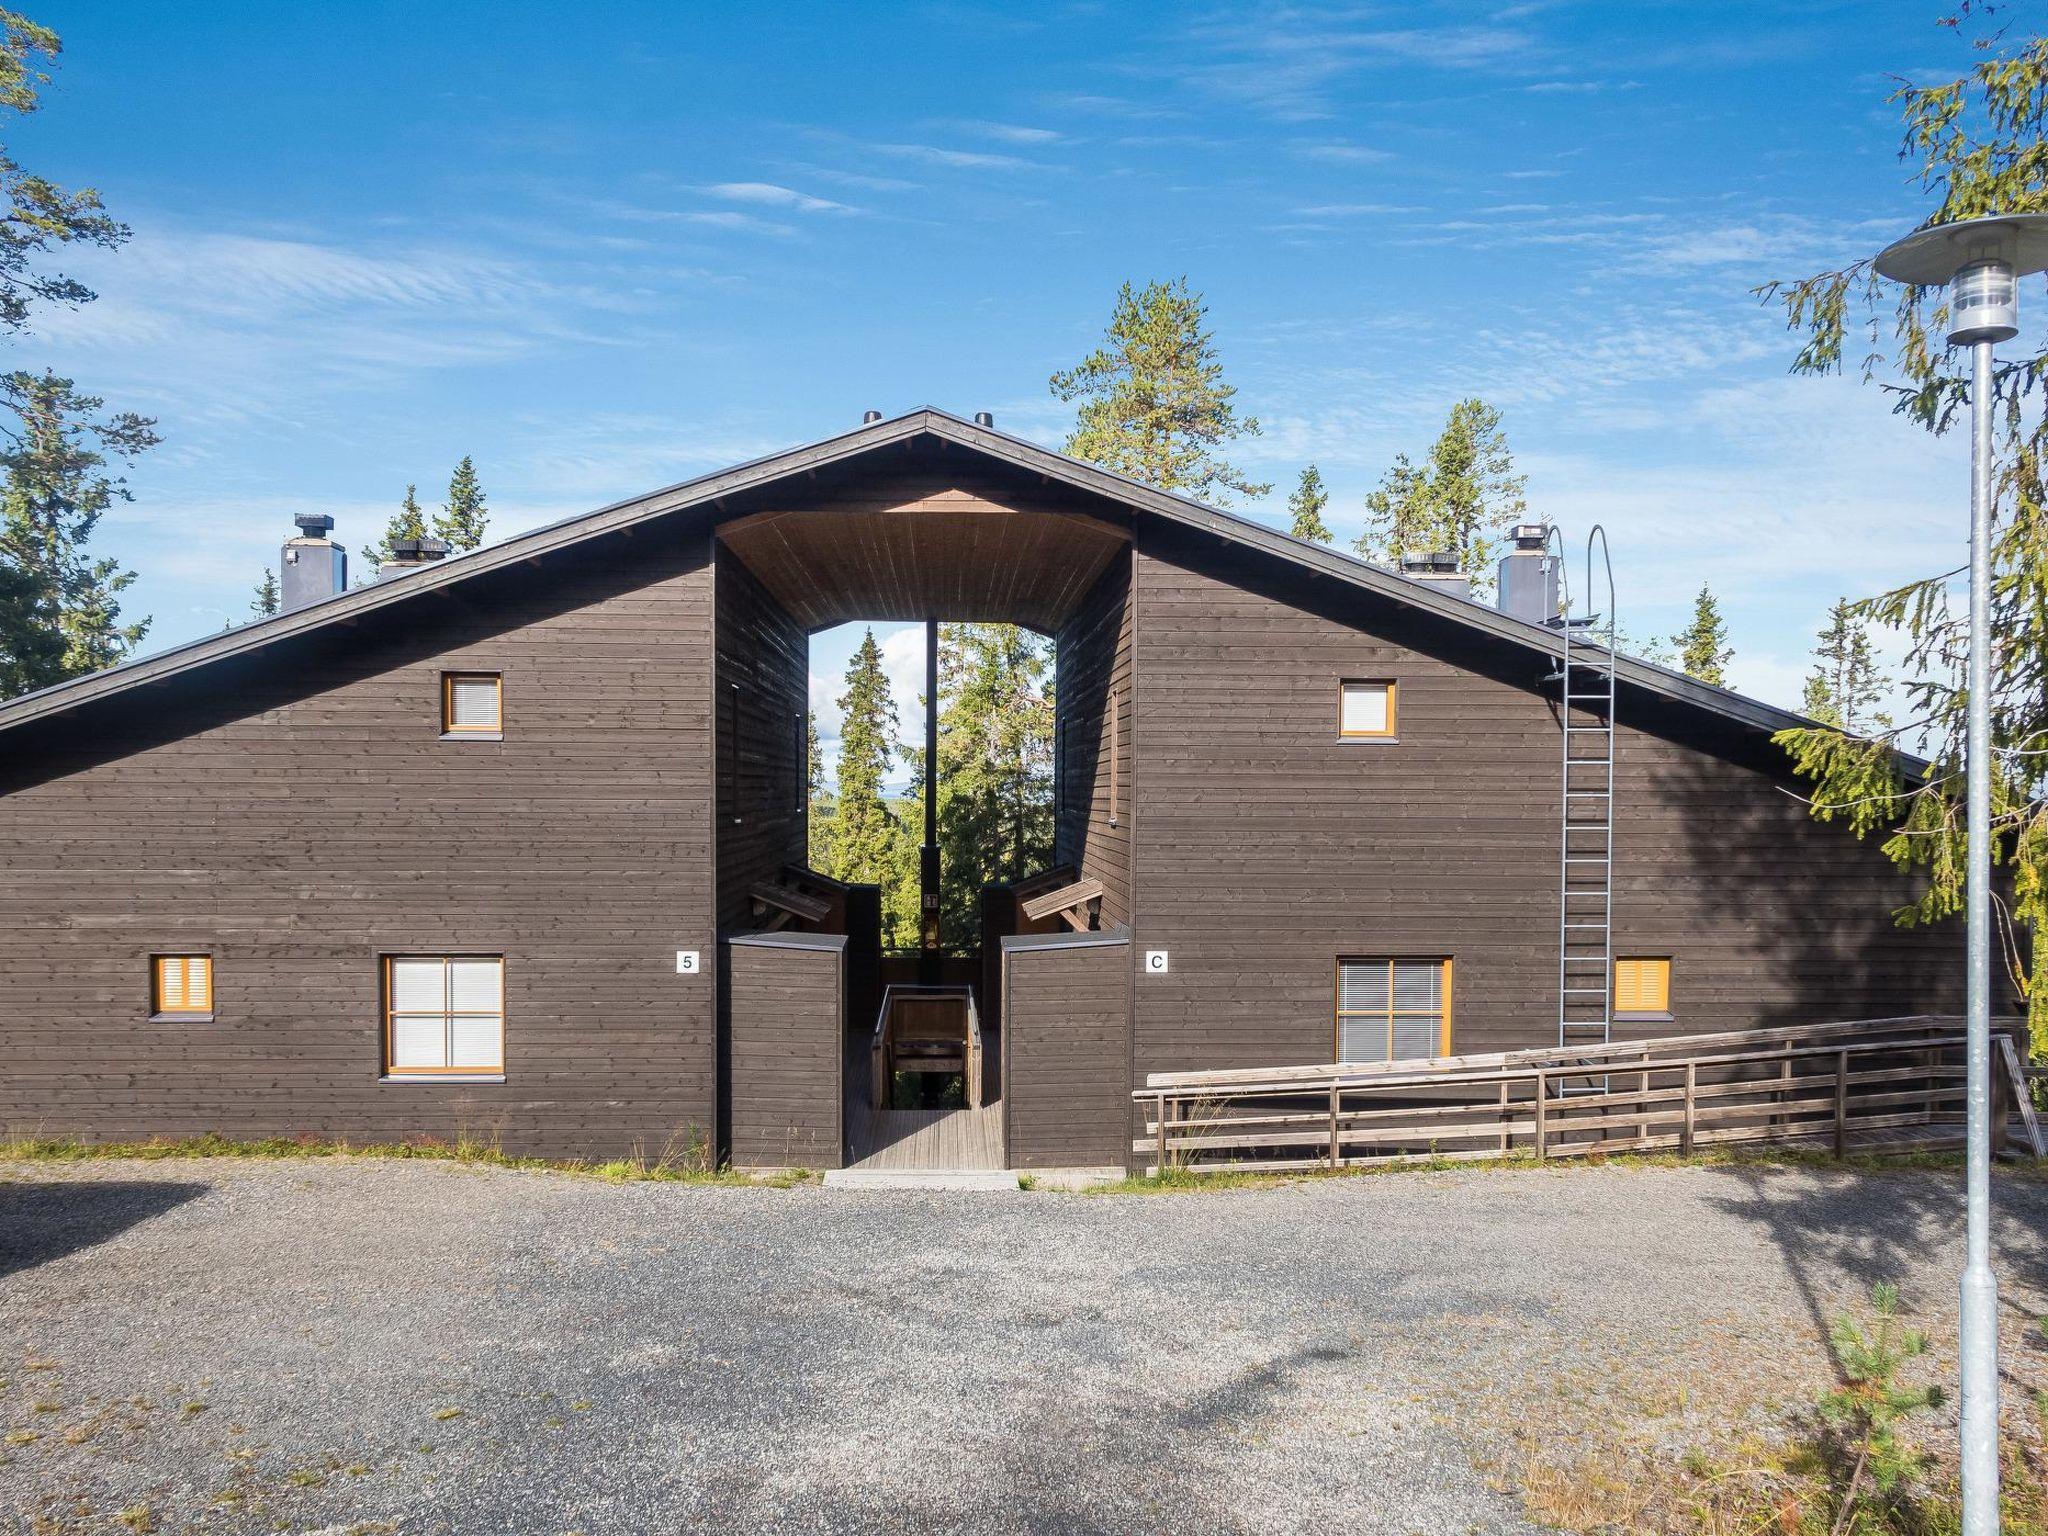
[(683, 1160)]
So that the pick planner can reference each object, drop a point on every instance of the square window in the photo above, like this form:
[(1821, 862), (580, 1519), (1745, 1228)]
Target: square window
[(472, 703), (1642, 984), (444, 1015), (181, 984), (1365, 709), (1393, 1010)]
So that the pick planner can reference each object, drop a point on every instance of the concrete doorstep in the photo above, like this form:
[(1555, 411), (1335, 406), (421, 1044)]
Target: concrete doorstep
[(920, 1178)]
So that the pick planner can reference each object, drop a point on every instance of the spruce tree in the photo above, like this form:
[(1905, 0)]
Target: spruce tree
[(866, 838), (1459, 501), (1153, 402), (408, 522), (1306, 505), (995, 766), (464, 517), (62, 614), (1702, 646), (264, 603), (1845, 685)]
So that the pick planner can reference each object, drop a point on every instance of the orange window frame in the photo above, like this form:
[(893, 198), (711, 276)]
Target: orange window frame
[(180, 984), (448, 682), (1642, 984), (1389, 1013), (1393, 692), (448, 1012)]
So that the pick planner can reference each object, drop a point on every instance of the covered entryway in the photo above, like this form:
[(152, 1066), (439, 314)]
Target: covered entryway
[(921, 1062)]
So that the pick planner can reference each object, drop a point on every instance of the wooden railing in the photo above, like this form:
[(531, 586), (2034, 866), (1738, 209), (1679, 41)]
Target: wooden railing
[(1890, 1083), (926, 1029)]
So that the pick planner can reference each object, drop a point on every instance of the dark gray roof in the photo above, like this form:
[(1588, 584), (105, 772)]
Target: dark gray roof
[(709, 490)]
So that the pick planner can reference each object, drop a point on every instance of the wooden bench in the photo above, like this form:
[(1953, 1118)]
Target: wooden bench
[(1068, 902), (775, 905)]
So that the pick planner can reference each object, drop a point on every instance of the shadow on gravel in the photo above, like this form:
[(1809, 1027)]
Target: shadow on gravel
[(1852, 1231), (41, 1222)]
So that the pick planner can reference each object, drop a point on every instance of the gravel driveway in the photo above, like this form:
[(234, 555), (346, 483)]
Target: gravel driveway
[(371, 1346)]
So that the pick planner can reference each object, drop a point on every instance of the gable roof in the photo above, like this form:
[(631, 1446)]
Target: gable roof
[(709, 491)]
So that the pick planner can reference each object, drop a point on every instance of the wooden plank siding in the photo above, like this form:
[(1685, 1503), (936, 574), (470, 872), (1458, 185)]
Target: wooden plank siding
[(299, 820), (763, 759), (1267, 847), (1066, 1050), (1093, 781), (787, 999)]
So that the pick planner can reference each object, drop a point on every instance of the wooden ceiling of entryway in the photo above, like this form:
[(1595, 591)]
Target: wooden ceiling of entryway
[(921, 546)]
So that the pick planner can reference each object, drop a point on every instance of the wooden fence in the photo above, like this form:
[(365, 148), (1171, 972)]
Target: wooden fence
[(1890, 1084)]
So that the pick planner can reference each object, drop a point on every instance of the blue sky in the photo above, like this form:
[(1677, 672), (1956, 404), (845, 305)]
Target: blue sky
[(607, 249)]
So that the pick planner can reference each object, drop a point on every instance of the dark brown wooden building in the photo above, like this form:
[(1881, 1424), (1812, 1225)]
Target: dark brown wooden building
[(511, 844)]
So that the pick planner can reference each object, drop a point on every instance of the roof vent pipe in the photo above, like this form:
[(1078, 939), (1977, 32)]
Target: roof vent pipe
[(1437, 568), (1529, 577), (869, 418), (410, 555), (984, 419), (311, 567)]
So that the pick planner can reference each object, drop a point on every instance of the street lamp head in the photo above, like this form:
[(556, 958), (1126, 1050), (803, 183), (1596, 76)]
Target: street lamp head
[(1982, 261)]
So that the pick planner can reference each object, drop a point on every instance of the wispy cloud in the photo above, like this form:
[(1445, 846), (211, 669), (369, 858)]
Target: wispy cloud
[(1580, 87), (1354, 210), (1010, 133), (957, 159), (774, 196), (1343, 153)]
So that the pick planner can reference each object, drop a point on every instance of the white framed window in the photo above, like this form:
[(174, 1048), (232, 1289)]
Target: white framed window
[(444, 1015), (1365, 710), (472, 703)]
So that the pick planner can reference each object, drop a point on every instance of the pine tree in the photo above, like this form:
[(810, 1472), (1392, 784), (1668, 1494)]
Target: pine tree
[(1306, 505), (1459, 501), (1702, 646), (817, 796), (462, 520), (995, 767), (62, 614), (264, 603), (408, 522), (1845, 685), (1974, 143), (1154, 404), (866, 839)]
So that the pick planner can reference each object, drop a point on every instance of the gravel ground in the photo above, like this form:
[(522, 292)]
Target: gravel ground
[(364, 1346)]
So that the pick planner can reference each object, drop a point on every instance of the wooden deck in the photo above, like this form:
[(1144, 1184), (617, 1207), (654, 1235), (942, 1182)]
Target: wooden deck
[(900, 1140)]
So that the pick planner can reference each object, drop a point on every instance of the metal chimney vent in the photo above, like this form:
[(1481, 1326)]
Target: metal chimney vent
[(984, 418), (869, 418)]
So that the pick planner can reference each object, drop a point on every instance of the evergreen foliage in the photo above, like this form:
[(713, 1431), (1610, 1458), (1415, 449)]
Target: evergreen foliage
[(865, 839), (1870, 1463), (1845, 685), (40, 214), (1975, 144), (1305, 507), (995, 767), (1702, 646), (463, 517), (1154, 404), (1460, 500), (408, 522), (60, 610), (264, 603)]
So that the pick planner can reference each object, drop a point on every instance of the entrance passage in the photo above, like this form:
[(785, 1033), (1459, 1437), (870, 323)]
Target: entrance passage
[(915, 1091)]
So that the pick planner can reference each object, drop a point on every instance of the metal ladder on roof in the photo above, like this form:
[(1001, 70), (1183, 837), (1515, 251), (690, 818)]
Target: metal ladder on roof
[(1585, 878)]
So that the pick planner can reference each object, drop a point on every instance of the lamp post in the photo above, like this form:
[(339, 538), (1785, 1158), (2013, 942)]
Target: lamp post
[(1981, 260)]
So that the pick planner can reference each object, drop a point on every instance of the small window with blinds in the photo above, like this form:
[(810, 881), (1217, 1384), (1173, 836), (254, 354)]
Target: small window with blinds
[(1642, 985), (444, 1015), (473, 704), (1365, 711), (181, 986), (1393, 1010)]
